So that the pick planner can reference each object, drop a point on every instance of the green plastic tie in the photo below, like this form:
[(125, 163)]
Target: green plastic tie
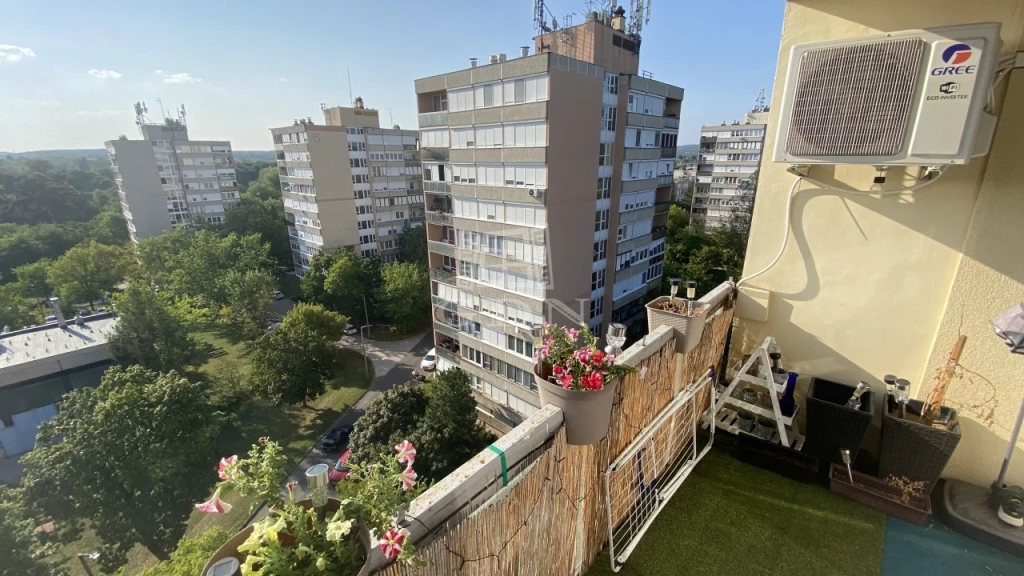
[(504, 466)]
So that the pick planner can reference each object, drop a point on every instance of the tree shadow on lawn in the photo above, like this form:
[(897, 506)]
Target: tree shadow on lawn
[(294, 427)]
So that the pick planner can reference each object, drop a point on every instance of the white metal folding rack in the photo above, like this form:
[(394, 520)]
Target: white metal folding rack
[(787, 432)]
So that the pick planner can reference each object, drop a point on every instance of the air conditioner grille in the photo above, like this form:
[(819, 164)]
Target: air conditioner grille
[(855, 100)]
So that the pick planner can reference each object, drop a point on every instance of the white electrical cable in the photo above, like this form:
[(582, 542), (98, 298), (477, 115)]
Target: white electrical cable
[(818, 183)]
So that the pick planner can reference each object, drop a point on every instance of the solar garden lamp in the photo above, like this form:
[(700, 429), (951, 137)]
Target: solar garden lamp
[(691, 295), (902, 395), (890, 383), (674, 288), (317, 478), (616, 338), (846, 460), (537, 333)]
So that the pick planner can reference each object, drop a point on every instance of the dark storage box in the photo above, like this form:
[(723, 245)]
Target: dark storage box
[(776, 458), (914, 450), (879, 495), (831, 426)]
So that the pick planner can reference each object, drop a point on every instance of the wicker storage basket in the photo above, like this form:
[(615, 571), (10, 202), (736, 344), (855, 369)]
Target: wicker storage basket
[(914, 450), (831, 426), (688, 329)]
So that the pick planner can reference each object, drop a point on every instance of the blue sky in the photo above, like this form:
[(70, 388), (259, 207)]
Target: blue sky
[(70, 71)]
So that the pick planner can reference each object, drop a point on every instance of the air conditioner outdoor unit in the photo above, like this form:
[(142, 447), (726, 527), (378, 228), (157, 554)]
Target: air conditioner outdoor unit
[(535, 192), (906, 98)]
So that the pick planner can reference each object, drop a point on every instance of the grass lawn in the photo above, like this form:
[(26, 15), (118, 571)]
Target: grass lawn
[(388, 333), (731, 518), (294, 427)]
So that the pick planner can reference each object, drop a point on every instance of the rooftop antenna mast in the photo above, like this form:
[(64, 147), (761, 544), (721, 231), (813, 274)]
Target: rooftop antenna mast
[(181, 115), (540, 14), (759, 105), (639, 14), (351, 101), (140, 113), (163, 116)]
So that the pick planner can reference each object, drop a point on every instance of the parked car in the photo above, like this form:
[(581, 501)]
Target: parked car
[(271, 327), (337, 437), (277, 294), (340, 470), (350, 329), (429, 361)]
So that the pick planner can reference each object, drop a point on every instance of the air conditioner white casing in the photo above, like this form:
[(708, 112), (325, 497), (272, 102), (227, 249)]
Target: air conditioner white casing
[(906, 98)]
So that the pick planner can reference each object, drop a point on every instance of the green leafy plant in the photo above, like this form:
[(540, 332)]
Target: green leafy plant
[(575, 360)]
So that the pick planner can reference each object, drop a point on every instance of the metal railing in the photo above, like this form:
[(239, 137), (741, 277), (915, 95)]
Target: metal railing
[(659, 232), (445, 329), (449, 356), (442, 276), (446, 304), (662, 207), (671, 122), (665, 180), (442, 248)]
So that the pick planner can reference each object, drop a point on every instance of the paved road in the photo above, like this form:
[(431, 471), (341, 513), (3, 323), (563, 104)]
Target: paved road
[(393, 363)]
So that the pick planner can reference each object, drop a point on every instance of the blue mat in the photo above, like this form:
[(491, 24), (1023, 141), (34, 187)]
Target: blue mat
[(935, 550)]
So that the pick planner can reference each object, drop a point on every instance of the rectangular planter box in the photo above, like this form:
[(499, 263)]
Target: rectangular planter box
[(776, 458), (831, 426), (877, 494), (688, 329), (914, 450)]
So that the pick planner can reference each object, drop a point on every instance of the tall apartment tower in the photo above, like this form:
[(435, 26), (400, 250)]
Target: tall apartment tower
[(348, 183), (729, 155), (167, 180), (547, 181)]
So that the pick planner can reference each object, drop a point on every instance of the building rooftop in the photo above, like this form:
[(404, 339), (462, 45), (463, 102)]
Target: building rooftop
[(48, 349)]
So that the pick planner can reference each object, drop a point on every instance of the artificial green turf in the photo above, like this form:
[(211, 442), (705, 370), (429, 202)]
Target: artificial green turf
[(734, 519)]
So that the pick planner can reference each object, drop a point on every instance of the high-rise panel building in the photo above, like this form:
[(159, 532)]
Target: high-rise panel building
[(167, 180), (729, 156), (547, 179), (348, 183)]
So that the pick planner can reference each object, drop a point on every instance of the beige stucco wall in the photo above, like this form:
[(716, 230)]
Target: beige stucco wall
[(872, 285)]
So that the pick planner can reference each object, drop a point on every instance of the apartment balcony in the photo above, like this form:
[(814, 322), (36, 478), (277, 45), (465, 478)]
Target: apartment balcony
[(443, 248), (445, 304), (446, 329), (439, 218), (668, 152), (442, 275), (429, 119), (435, 154), (659, 232), (437, 187), (662, 208), (665, 180), (448, 355), (671, 122)]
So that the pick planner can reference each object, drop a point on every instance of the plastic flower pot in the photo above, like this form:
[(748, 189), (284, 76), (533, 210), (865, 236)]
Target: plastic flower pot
[(587, 413), (230, 548), (765, 428), (750, 396), (744, 421), (831, 426), (914, 450), (688, 328), (878, 494)]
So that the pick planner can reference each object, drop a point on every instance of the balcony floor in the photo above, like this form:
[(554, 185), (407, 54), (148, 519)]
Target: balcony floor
[(731, 518)]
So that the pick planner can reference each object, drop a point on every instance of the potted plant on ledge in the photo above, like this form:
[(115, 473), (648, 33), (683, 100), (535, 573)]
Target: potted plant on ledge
[(686, 316), (319, 534), (576, 376)]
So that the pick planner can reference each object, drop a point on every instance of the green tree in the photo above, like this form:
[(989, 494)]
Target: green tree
[(38, 198), (149, 333), (392, 417), (15, 310), (267, 186), (88, 271), (265, 218), (248, 294), (349, 279), (17, 541), (191, 554), (131, 456), (247, 171), (312, 283), (317, 319), (405, 294), (412, 245), (292, 365), (33, 279), (449, 433)]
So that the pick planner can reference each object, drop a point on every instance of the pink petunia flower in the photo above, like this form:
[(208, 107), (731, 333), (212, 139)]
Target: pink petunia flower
[(409, 477), (222, 468), (406, 452), (214, 505), (392, 541), (572, 334), (565, 381), (558, 371)]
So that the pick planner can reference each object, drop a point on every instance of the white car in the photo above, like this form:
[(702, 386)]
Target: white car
[(429, 361), (277, 294), (350, 330)]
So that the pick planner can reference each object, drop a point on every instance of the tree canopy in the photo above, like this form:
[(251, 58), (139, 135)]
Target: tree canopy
[(131, 456), (247, 295), (348, 280), (150, 334), (319, 320), (88, 271), (412, 246), (17, 542), (260, 211), (292, 365), (442, 425), (405, 294)]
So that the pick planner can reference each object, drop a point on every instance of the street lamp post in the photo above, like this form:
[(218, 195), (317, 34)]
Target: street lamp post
[(85, 565)]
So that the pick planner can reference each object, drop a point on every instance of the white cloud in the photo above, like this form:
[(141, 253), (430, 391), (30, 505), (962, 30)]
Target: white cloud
[(179, 78), (10, 53), (282, 79), (104, 74)]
